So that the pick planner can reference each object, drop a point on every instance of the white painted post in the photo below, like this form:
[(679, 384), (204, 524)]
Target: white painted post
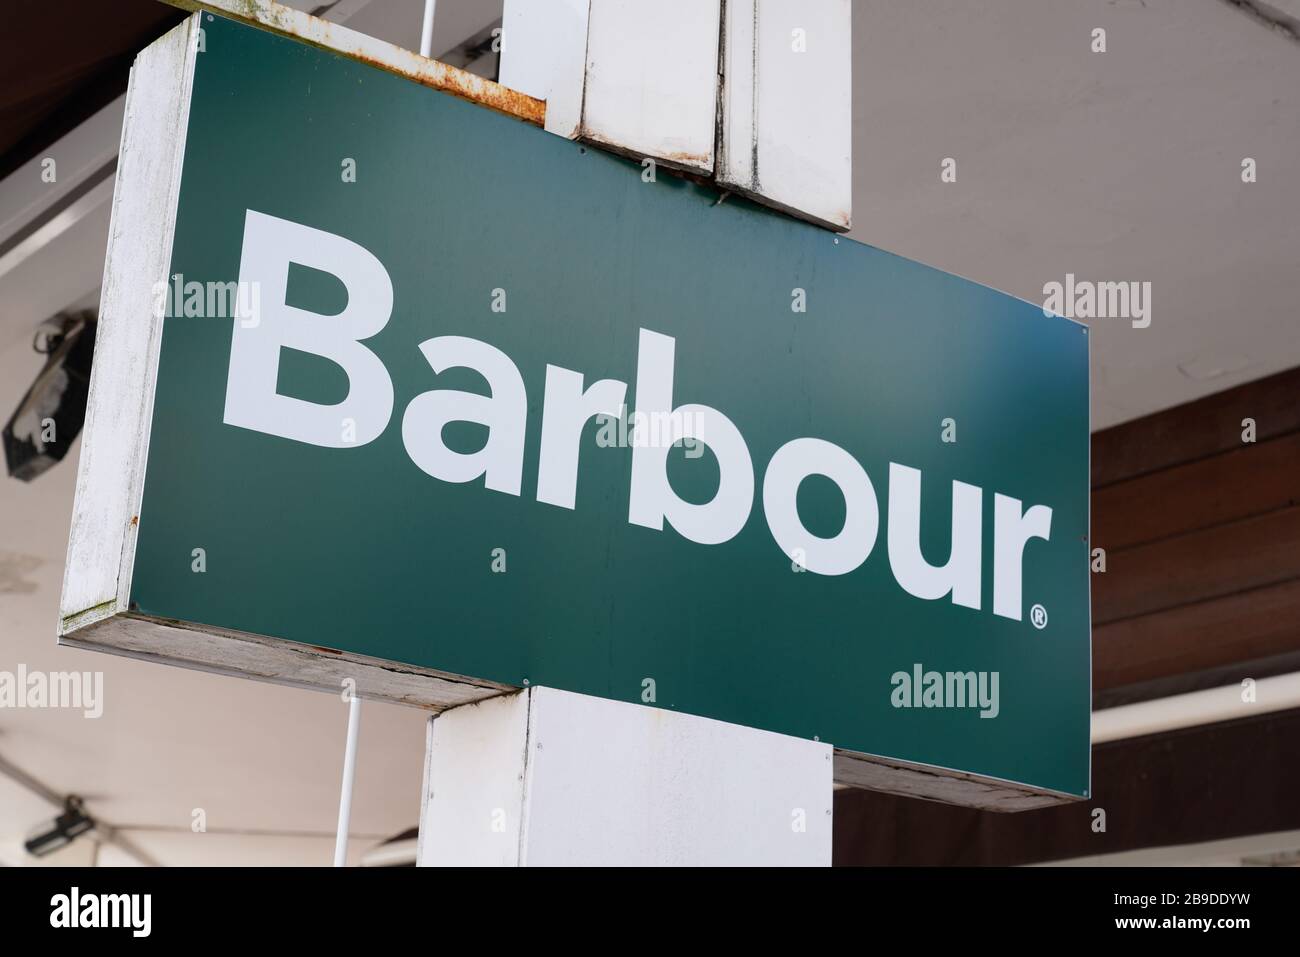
[(349, 776), (786, 123), (643, 79), (546, 777)]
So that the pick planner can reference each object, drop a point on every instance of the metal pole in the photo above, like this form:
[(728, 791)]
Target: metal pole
[(426, 29), (354, 705), (349, 775), (1278, 693)]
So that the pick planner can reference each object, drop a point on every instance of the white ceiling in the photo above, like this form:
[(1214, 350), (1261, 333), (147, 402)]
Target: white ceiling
[(1123, 165), (1115, 166)]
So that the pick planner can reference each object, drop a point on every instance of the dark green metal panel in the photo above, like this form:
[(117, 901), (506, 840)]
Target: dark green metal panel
[(358, 549)]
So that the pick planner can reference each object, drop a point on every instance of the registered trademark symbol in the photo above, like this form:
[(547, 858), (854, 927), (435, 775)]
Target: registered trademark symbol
[(1038, 615)]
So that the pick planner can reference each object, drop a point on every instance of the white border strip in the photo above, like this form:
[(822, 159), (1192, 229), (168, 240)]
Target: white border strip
[(110, 475)]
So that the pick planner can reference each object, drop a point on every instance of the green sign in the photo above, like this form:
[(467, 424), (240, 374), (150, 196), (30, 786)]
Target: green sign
[(439, 388)]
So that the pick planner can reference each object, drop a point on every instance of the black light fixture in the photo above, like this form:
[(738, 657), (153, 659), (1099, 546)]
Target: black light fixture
[(52, 412), (62, 831)]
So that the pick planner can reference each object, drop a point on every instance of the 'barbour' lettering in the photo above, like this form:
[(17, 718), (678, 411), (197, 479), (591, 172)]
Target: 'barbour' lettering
[(271, 244)]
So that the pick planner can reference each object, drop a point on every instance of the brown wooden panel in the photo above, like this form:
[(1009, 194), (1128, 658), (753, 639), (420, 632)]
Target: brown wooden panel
[(62, 60), (1197, 784), (1197, 429), (1188, 681), (1249, 480), (1201, 565), (1244, 626)]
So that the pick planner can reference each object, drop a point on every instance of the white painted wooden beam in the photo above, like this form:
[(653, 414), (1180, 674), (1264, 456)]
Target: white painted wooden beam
[(786, 116), (635, 78), (652, 79), (110, 477), (643, 80), (547, 778)]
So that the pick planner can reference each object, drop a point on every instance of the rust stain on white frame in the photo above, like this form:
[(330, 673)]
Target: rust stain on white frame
[(286, 21)]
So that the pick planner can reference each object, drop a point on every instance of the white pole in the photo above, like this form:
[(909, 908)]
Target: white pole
[(426, 29), (1195, 708), (349, 775)]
